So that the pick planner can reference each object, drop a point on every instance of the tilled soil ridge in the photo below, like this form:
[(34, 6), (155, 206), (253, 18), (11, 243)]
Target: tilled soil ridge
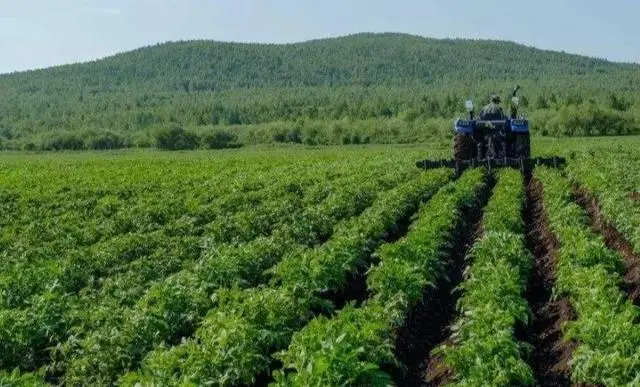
[(551, 354)]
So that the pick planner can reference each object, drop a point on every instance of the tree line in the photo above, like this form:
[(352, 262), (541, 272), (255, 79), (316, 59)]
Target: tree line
[(255, 92)]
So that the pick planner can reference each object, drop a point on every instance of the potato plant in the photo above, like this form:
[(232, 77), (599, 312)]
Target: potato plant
[(606, 328), (107, 259), (229, 265), (354, 346), (612, 179), (235, 340), (483, 349)]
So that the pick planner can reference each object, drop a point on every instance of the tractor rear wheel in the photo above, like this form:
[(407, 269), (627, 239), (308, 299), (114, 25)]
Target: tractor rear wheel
[(463, 147), (523, 145)]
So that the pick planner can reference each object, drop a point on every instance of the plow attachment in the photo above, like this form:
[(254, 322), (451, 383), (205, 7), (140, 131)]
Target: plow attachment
[(524, 164)]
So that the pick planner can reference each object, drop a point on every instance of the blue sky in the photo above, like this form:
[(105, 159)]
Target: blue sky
[(41, 33)]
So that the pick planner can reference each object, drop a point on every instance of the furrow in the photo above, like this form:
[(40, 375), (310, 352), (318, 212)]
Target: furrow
[(550, 354), (429, 324)]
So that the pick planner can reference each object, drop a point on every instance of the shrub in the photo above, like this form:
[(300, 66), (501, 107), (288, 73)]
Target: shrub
[(219, 139), (29, 146), (61, 141), (175, 138), (314, 133), (141, 140), (104, 140), (288, 135), (587, 119)]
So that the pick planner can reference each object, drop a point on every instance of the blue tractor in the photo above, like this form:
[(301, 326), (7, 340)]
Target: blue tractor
[(492, 140)]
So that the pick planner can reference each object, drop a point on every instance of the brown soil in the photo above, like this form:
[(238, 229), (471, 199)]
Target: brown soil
[(437, 373), (428, 324), (615, 241), (551, 354), (634, 195)]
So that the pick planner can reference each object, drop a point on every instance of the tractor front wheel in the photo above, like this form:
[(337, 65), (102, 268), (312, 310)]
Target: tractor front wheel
[(463, 147)]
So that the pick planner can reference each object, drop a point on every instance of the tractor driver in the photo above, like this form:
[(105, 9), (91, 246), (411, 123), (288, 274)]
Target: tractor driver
[(493, 111)]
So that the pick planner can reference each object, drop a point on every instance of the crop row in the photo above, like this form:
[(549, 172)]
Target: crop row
[(47, 322), (182, 299), (298, 216), (235, 341), (125, 285), (612, 178), (606, 328), (356, 345), (48, 316), (483, 349), (75, 267), (167, 207), (62, 207)]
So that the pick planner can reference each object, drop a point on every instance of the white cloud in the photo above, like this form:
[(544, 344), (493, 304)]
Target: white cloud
[(102, 10)]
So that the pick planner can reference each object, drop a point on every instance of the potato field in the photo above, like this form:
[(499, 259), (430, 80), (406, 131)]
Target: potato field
[(319, 267)]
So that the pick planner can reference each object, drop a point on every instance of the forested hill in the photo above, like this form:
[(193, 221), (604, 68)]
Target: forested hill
[(367, 87), (363, 59)]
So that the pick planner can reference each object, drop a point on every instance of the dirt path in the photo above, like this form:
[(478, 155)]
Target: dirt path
[(551, 354), (614, 241), (427, 325)]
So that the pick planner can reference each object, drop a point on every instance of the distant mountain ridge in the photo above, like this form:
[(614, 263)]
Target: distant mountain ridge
[(361, 59)]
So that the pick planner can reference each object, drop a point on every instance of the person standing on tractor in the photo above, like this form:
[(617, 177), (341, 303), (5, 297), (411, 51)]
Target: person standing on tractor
[(493, 111)]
